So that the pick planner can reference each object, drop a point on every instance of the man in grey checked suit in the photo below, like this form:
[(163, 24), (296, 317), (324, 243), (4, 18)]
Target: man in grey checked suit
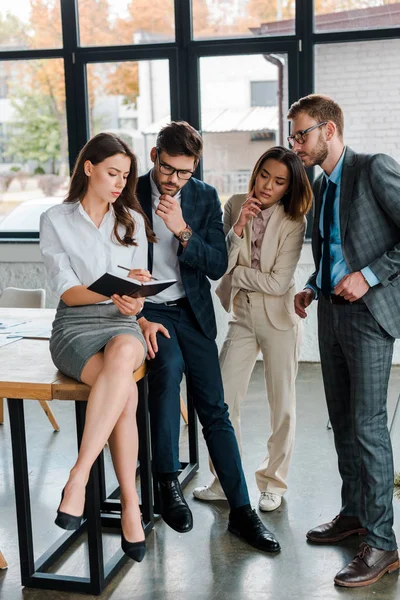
[(356, 248)]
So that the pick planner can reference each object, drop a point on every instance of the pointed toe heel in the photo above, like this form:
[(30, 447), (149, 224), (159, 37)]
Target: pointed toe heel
[(66, 521), (135, 550)]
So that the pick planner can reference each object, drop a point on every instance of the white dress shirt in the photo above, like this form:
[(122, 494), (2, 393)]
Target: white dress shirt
[(165, 259), (76, 252)]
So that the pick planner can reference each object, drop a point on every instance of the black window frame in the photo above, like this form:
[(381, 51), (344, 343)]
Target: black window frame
[(184, 56)]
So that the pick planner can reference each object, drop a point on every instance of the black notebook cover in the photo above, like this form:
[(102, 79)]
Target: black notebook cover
[(109, 284)]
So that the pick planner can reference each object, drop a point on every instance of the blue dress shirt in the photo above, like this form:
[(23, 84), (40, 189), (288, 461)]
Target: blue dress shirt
[(338, 265)]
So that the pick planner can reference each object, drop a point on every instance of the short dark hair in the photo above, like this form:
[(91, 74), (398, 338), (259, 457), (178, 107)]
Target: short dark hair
[(298, 198), (321, 108), (179, 138)]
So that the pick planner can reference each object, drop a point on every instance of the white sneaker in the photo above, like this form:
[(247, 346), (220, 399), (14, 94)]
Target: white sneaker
[(269, 501), (207, 494)]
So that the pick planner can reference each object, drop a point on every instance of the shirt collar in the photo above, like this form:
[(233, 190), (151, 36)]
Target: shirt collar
[(267, 212), (154, 188), (336, 174), (109, 214)]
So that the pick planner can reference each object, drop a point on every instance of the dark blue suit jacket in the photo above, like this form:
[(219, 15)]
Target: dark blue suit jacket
[(205, 255)]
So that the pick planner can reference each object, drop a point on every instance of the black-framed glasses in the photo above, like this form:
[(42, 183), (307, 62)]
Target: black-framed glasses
[(166, 169), (300, 136)]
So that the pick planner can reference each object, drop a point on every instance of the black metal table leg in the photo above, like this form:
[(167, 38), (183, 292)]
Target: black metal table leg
[(193, 434), (21, 483), (143, 422), (189, 469), (92, 512)]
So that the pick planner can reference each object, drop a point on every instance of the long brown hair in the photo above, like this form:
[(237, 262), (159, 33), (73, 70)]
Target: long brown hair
[(298, 197), (97, 149)]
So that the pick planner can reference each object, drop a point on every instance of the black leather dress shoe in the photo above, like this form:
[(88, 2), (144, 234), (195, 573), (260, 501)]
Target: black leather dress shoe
[(248, 525), (174, 508)]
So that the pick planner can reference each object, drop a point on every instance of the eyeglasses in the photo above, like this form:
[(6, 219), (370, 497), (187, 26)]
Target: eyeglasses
[(168, 170), (300, 136)]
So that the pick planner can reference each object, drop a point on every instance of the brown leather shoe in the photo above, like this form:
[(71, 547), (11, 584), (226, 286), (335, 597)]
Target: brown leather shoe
[(368, 566), (336, 530)]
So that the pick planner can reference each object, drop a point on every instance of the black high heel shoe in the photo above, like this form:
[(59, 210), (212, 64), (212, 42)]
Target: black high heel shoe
[(66, 521), (135, 550)]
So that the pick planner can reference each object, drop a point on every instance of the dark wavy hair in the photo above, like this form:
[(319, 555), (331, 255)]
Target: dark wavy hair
[(179, 138), (298, 198), (97, 149)]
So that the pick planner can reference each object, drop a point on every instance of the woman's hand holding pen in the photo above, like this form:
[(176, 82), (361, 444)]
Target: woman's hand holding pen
[(141, 275), (250, 208)]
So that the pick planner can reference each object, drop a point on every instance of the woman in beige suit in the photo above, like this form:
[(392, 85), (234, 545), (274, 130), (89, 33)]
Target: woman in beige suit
[(264, 235)]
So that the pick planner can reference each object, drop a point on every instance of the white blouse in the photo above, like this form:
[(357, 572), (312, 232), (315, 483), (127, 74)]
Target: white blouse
[(76, 252)]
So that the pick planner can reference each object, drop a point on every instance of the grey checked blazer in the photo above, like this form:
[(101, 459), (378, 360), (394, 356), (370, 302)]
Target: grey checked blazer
[(369, 229), (205, 255)]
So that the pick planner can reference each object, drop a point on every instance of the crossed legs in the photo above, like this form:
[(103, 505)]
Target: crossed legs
[(110, 415)]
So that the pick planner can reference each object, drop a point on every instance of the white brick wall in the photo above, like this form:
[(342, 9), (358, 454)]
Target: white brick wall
[(364, 78)]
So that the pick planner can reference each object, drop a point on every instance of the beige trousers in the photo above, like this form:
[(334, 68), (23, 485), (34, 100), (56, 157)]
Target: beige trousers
[(250, 331)]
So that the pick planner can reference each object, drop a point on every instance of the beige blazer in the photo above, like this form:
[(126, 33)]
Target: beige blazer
[(280, 253)]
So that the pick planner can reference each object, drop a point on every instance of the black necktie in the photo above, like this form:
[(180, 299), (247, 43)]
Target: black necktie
[(326, 283)]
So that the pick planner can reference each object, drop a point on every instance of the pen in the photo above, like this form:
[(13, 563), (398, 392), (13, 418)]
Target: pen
[(126, 269)]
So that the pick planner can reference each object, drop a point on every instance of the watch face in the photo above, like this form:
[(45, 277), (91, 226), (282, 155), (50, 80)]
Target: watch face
[(185, 235)]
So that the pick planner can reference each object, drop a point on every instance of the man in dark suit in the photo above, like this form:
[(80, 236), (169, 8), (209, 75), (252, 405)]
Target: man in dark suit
[(356, 248), (179, 328)]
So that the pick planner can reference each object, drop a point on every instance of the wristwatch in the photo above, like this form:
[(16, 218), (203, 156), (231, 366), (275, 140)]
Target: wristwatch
[(184, 235)]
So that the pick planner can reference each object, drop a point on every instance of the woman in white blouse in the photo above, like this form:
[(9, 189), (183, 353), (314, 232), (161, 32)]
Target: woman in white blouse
[(264, 235), (99, 226)]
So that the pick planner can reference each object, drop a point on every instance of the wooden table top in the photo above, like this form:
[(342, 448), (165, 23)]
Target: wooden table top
[(27, 370)]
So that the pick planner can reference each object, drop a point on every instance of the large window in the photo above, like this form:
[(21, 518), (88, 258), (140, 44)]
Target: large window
[(340, 15), (25, 24), (130, 99), (238, 18), (125, 22), (72, 68), (34, 162), (241, 117)]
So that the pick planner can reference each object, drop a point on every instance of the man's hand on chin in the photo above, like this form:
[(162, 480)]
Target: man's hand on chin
[(171, 213)]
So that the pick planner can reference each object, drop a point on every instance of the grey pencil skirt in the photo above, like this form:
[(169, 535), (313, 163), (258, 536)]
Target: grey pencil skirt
[(79, 332)]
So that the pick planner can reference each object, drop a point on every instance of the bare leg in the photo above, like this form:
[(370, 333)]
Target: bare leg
[(124, 450), (111, 378)]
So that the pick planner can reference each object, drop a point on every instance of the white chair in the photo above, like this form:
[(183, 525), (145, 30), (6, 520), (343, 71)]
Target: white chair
[(12, 297), (19, 298)]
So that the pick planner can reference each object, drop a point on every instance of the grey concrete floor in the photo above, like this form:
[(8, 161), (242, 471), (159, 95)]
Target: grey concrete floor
[(208, 563)]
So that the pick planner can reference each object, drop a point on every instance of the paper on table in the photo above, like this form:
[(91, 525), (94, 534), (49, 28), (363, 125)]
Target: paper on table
[(4, 340), (6, 324), (35, 331)]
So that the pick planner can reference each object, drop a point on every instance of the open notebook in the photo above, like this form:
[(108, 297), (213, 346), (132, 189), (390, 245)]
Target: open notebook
[(109, 284)]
